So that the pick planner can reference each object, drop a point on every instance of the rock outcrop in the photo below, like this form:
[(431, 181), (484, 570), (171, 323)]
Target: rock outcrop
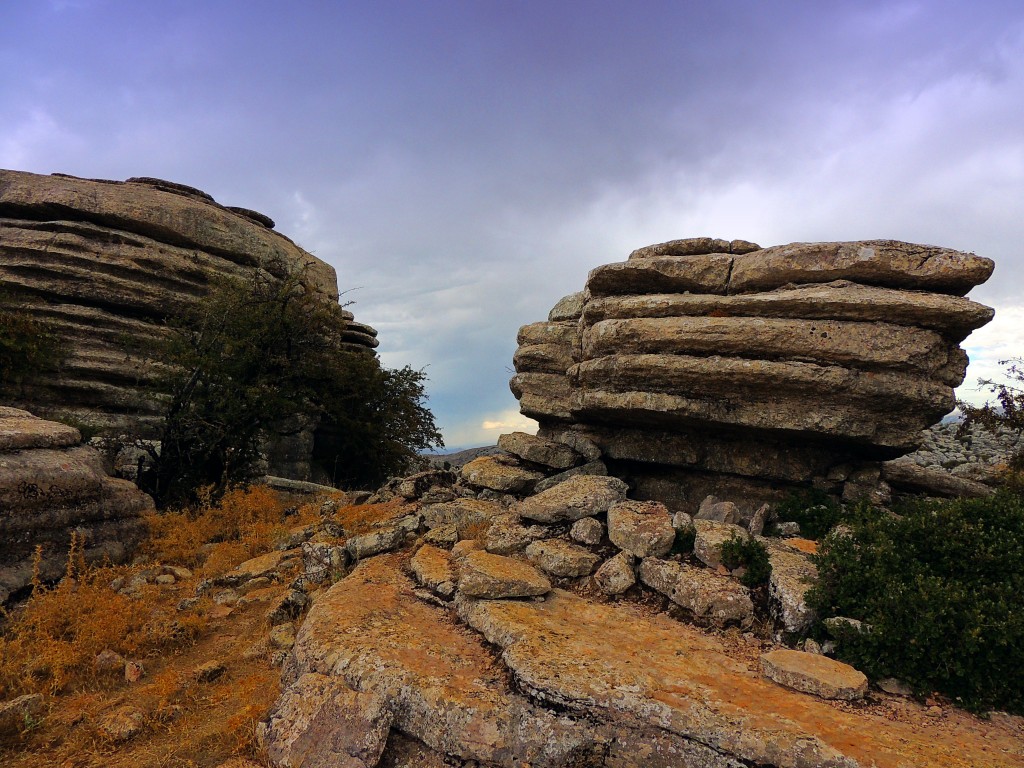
[(705, 366), (103, 262), (51, 487)]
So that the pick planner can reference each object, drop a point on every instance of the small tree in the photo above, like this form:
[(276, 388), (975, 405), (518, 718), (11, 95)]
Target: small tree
[(1006, 412), (254, 354)]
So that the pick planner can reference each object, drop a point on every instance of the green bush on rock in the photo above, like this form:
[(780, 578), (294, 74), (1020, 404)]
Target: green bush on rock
[(749, 554), (940, 588)]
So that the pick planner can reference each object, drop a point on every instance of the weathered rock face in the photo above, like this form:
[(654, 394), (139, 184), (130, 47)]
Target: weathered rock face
[(105, 261), (705, 366), (51, 486)]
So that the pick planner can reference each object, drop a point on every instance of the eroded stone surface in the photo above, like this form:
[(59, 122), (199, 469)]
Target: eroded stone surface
[(493, 576), (642, 528), (707, 595), (815, 674), (499, 474), (711, 535), (538, 450), (562, 559), (577, 497)]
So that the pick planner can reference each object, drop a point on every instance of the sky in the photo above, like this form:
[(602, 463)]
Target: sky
[(464, 164)]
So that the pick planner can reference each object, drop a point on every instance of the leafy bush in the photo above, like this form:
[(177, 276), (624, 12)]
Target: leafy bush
[(749, 554), (251, 358), (28, 347), (814, 510), (940, 585)]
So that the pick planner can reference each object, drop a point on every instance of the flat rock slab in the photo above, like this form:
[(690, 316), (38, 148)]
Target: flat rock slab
[(500, 474), (494, 576), (706, 594), (609, 660), (814, 674), (20, 430), (578, 497), (433, 569), (537, 450)]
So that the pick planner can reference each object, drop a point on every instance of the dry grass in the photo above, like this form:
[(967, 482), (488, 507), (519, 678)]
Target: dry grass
[(358, 519), (49, 645)]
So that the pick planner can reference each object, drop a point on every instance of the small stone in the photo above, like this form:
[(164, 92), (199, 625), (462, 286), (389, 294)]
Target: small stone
[(587, 530), (895, 687), (812, 646), (226, 597), (282, 636), (133, 671), (718, 511), (507, 534), (788, 528), (108, 661), (836, 625), (562, 559), (122, 724), (165, 579), (615, 575), (178, 572), (432, 567), (934, 711), (443, 536), (18, 713), (642, 528), (210, 671), (817, 675), (759, 520), (262, 582)]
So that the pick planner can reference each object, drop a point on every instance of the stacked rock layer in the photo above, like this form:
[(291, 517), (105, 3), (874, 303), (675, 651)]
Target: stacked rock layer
[(104, 262), (705, 365), (52, 486)]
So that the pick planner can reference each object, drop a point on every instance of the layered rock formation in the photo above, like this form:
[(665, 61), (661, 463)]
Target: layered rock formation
[(104, 262), (702, 365), (52, 486)]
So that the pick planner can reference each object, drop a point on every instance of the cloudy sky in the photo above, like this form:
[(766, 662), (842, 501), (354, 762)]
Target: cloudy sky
[(464, 164)]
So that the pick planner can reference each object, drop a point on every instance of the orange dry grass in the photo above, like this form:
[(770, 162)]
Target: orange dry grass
[(247, 522), (49, 646)]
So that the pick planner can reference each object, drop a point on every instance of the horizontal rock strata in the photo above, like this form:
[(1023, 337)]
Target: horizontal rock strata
[(52, 486), (704, 365), (103, 262)]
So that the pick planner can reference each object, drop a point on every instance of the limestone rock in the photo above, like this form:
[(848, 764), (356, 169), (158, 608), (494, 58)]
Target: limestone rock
[(537, 450), (719, 511), (20, 713), (433, 569), (713, 366), (587, 530), (616, 575), (50, 488), (564, 681), (106, 261), (500, 474), (793, 574), (507, 534), (642, 528), (462, 513), (590, 468), (562, 559), (577, 497), (494, 576), (711, 535), (811, 673), (704, 593)]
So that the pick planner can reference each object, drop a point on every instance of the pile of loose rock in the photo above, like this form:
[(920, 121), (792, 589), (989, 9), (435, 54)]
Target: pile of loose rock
[(478, 618), (707, 366)]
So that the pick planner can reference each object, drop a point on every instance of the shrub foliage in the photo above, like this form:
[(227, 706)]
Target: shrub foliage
[(939, 584), (1008, 409), (749, 554), (253, 358)]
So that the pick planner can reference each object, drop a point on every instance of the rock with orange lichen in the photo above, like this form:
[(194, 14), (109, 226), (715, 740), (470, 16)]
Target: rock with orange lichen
[(494, 576), (814, 674), (569, 681)]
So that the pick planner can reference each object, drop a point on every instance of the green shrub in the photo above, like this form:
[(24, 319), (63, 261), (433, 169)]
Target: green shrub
[(814, 510), (940, 585), (749, 554), (1007, 412)]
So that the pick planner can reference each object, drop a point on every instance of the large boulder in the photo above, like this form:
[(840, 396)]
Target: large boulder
[(53, 487), (104, 262), (709, 366)]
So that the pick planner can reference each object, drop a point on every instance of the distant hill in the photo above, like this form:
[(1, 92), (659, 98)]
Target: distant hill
[(458, 458)]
